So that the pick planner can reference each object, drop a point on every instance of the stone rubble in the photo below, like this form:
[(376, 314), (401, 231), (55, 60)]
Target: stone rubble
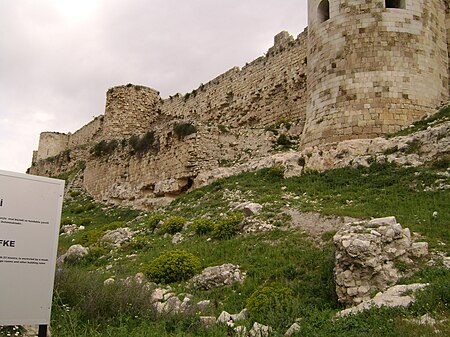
[(218, 276), (366, 253), (396, 296), (118, 236)]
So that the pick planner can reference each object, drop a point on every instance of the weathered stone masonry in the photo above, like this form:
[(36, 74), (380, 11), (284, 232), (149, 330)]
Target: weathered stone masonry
[(360, 70)]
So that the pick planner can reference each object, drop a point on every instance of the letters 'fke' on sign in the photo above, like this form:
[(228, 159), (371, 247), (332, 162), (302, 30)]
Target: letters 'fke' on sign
[(28, 246)]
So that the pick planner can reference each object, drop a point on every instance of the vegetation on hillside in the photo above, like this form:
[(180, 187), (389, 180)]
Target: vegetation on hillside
[(289, 277)]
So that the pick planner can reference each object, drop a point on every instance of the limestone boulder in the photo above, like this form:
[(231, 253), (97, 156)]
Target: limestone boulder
[(118, 236), (218, 276), (73, 254)]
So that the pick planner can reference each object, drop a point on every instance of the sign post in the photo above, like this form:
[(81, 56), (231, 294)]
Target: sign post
[(30, 215)]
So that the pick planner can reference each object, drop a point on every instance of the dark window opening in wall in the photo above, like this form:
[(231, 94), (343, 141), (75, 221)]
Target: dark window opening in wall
[(396, 4), (323, 11)]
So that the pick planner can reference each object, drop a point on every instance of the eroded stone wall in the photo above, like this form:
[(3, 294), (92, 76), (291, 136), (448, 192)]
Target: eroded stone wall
[(371, 69)]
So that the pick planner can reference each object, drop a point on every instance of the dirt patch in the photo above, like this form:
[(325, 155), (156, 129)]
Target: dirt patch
[(316, 224)]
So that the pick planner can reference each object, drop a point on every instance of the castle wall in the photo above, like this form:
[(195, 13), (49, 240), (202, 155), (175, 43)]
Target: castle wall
[(87, 133), (130, 109), (139, 181), (372, 70), (51, 144), (447, 26), (271, 88)]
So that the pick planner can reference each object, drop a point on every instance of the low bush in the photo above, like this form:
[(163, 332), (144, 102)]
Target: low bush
[(145, 143), (228, 227), (86, 293), (172, 266), (113, 225), (184, 129), (267, 300), (203, 226), (173, 225), (153, 221), (104, 147), (441, 163)]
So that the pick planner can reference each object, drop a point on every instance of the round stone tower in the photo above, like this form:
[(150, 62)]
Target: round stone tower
[(373, 66), (130, 110)]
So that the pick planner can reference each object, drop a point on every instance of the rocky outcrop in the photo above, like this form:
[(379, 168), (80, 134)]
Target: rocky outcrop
[(366, 253), (118, 236), (219, 276)]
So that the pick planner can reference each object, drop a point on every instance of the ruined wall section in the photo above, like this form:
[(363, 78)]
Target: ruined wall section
[(151, 179), (371, 69), (269, 89), (130, 109)]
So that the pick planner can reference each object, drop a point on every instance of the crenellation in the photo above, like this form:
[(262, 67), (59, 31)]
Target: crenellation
[(358, 71)]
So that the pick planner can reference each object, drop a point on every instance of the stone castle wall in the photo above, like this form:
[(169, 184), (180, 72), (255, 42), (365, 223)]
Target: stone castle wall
[(147, 180), (271, 88), (372, 69), (447, 26), (88, 133), (358, 71)]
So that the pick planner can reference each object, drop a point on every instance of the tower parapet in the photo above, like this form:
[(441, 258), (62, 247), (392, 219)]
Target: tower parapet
[(373, 66)]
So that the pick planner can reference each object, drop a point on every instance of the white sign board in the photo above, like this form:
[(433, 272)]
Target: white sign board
[(30, 214)]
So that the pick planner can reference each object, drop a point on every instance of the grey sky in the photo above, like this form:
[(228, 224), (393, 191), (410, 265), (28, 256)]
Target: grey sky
[(59, 57)]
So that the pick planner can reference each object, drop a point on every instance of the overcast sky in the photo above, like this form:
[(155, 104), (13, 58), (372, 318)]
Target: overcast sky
[(59, 57)]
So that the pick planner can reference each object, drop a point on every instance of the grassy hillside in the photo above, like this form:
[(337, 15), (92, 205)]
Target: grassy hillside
[(285, 260)]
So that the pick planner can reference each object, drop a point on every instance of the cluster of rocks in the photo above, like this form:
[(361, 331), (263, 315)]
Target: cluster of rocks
[(396, 296), (366, 257), (218, 276), (232, 321), (70, 229), (118, 236)]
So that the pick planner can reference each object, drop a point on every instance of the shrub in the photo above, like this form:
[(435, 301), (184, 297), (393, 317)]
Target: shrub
[(154, 220), (66, 221), (113, 225), (145, 143), (184, 129), (172, 266), (104, 147), (203, 226), (284, 140), (91, 237), (94, 256), (441, 164), (272, 174), (228, 227), (173, 225), (86, 294), (75, 194), (267, 300)]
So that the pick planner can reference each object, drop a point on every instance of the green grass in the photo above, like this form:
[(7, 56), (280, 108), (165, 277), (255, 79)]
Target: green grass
[(280, 259)]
